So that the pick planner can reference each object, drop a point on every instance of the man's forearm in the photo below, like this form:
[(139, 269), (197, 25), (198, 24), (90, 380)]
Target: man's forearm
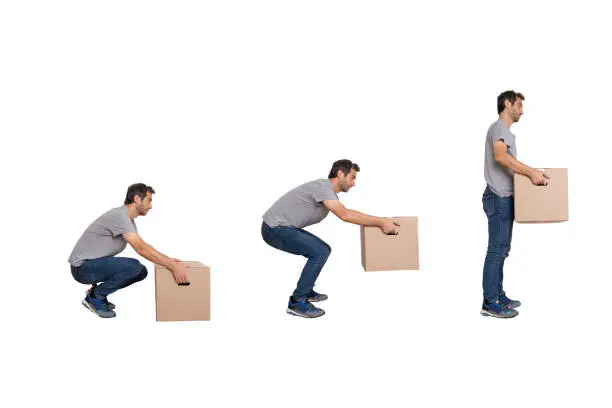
[(153, 255), (510, 162), (356, 217)]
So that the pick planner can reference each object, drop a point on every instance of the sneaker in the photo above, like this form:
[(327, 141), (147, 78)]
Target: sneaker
[(108, 304), (303, 308), (509, 303), (316, 297), (497, 310), (97, 306)]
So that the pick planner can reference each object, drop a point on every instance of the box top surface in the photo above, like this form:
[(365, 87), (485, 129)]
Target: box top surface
[(400, 219), (561, 171), (188, 265)]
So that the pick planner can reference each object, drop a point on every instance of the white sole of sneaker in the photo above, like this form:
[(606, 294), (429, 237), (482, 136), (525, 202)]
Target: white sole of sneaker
[(92, 310), (487, 313), (84, 303), (294, 313), (87, 293)]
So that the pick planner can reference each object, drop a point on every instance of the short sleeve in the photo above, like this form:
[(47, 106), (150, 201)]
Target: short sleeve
[(500, 132)]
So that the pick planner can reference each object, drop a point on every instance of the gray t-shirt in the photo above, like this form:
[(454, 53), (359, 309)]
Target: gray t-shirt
[(302, 206), (103, 237), (499, 178)]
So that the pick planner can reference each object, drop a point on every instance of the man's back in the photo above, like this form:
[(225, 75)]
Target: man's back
[(302, 206), (103, 237)]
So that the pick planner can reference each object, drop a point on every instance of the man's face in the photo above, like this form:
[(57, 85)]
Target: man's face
[(347, 181), (143, 206), (515, 109)]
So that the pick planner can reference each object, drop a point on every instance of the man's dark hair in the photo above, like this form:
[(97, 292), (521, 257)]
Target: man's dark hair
[(138, 189), (344, 165), (507, 96)]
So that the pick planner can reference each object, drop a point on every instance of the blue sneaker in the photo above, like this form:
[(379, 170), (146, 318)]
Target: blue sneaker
[(497, 310), (108, 304), (316, 297), (509, 303), (303, 308), (97, 306)]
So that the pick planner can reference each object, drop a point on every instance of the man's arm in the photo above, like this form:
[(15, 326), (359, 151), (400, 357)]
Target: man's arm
[(148, 252), (387, 225), (500, 152)]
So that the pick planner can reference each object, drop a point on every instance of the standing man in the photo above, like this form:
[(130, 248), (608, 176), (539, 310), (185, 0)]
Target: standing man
[(498, 201), (283, 228), (93, 259)]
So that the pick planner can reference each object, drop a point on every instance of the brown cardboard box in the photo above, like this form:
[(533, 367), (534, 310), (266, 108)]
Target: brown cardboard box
[(179, 303), (534, 204), (380, 252)]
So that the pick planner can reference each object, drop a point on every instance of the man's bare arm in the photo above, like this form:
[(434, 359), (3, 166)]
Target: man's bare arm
[(355, 217), (501, 155), (148, 252)]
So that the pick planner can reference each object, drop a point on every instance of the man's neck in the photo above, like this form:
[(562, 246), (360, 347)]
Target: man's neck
[(507, 119), (336, 185), (132, 212)]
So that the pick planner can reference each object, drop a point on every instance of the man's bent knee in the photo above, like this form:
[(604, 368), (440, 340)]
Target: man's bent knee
[(143, 273), (498, 251)]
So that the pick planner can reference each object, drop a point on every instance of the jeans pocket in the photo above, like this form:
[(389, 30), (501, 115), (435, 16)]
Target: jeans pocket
[(488, 204)]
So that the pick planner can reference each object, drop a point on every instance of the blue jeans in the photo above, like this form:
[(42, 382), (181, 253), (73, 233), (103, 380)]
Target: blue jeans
[(112, 272), (500, 213), (299, 242)]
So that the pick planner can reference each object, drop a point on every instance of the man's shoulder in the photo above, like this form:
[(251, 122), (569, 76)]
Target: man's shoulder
[(114, 215), (498, 130), (498, 125), (322, 185), (314, 184), (323, 182), (115, 212)]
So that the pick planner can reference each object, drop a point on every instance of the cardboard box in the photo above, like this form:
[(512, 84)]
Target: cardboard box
[(380, 252), (538, 204), (180, 303)]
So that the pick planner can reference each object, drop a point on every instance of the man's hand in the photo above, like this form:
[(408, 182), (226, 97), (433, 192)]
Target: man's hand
[(179, 271), (176, 266), (390, 227), (539, 177)]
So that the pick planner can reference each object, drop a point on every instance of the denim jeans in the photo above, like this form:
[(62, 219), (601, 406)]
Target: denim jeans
[(111, 272), (500, 213), (299, 242)]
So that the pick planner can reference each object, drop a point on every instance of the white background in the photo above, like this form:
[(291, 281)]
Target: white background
[(224, 106)]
